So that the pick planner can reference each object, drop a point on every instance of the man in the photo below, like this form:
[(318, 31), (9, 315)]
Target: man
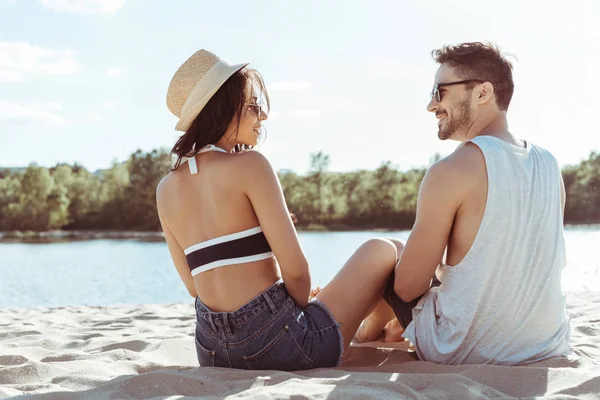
[(495, 207)]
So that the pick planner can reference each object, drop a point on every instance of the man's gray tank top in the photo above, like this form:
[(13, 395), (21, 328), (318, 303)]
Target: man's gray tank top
[(503, 303)]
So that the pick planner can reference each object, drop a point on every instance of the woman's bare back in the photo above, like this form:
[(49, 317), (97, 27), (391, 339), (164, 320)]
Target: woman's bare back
[(207, 205)]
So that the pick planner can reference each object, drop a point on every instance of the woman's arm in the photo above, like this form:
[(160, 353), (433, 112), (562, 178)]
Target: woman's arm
[(263, 189)]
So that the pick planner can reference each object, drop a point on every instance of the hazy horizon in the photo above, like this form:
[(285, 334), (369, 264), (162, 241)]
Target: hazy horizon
[(426, 165)]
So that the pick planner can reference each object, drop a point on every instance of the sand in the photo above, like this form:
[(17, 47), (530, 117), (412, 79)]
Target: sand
[(147, 351)]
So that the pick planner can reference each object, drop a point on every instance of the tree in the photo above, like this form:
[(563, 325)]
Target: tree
[(319, 163), (145, 172), (10, 189), (582, 184), (32, 211), (123, 196)]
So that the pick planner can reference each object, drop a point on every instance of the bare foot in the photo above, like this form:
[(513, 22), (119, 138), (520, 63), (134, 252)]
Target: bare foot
[(393, 331), (372, 327)]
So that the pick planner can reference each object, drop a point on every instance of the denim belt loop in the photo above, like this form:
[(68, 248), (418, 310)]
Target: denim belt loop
[(226, 324), (270, 302), (212, 323)]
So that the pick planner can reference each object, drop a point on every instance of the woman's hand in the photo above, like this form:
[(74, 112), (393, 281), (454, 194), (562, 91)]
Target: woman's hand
[(313, 293)]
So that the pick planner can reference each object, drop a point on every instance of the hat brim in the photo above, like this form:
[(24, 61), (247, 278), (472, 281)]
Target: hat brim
[(224, 73)]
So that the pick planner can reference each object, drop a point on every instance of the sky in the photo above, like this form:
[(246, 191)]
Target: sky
[(85, 81)]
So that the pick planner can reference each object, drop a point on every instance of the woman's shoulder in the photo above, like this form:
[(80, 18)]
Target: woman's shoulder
[(162, 189), (236, 168), (254, 160)]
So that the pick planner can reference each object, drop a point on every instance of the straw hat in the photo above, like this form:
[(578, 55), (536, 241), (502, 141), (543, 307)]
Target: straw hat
[(194, 83)]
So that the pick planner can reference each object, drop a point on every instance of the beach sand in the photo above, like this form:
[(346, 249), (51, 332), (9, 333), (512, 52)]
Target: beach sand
[(147, 351)]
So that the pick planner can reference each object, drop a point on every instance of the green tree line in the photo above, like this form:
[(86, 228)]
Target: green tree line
[(122, 198)]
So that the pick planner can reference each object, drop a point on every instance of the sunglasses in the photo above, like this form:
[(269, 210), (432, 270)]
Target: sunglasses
[(435, 92), (257, 109)]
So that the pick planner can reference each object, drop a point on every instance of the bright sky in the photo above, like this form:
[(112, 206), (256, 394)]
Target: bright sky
[(85, 80)]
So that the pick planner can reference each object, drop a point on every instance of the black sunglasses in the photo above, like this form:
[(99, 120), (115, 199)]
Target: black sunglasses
[(435, 92)]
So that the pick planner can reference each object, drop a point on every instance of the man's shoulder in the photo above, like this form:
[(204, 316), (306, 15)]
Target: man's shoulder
[(457, 173), (542, 150), (466, 160)]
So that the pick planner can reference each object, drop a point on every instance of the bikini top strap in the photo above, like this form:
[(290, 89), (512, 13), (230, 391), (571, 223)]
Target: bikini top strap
[(192, 161), (192, 164)]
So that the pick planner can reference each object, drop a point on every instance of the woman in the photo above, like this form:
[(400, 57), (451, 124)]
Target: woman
[(233, 241)]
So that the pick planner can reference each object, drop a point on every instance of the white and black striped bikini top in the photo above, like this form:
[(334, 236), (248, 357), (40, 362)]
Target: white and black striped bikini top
[(236, 248)]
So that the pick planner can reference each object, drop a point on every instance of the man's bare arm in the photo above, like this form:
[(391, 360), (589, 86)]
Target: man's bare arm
[(442, 192)]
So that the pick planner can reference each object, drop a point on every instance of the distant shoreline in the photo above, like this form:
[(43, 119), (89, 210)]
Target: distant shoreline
[(57, 235), (77, 235), (61, 235)]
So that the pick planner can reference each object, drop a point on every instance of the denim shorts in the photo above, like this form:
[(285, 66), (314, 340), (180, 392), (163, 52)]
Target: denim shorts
[(268, 332)]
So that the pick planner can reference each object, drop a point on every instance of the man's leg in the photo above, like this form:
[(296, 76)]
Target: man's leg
[(402, 309), (381, 324)]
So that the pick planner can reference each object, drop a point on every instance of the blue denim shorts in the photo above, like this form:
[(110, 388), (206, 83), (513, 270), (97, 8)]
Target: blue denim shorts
[(268, 332)]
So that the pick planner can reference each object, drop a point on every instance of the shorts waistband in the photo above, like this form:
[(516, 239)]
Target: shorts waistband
[(272, 298)]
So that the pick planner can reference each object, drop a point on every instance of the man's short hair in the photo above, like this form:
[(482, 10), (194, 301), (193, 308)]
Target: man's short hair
[(476, 60)]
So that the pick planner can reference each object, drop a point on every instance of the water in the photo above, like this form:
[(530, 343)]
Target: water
[(104, 272)]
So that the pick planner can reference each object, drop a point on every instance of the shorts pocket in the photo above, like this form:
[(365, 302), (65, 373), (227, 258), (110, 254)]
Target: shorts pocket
[(281, 353), (206, 357)]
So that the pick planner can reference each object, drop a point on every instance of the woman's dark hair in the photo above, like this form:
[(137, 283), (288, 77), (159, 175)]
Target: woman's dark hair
[(227, 104)]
